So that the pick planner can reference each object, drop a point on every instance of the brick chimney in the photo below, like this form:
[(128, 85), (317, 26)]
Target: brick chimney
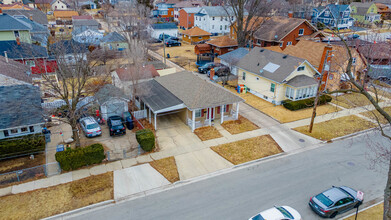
[(323, 65), (212, 73), (290, 14), (18, 41), (325, 49)]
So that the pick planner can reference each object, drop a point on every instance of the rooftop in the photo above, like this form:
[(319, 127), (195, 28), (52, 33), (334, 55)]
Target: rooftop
[(37, 15), (223, 41), (22, 51), (65, 14), (108, 92), (133, 72), (234, 56), (164, 26), (195, 31), (113, 37), (9, 23), (15, 70)]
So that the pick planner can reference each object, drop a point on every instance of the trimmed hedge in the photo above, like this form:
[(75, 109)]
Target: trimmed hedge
[(22, 145), (75, 158), (306, 103), (146, 139)]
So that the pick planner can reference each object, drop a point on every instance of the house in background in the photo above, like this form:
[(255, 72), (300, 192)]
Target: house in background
[(365, 12), (12, 29), (69, 50), (34, 15), (333, 16), (164, 28), (232, 58), (20, 111), (43, 5), (59, 5), (17, 6), (87, 4), (222, 45), (186, 17), (214, 19), (164, 10), (185, 4), (384, 10), (39, 33), (114, 41), (195, 34), (64, 17), (112, 101), (195, 101), (87, 37), (14, 73), (276, 77), (80, 25)]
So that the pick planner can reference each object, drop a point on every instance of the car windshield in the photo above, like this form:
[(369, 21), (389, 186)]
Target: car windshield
[(116, 122), (117, 127), (284, 212), (92, 126), (323, 199)]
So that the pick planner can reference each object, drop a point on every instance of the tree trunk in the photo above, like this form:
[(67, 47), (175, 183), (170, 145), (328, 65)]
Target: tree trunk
[(75, 133), (387, 197)]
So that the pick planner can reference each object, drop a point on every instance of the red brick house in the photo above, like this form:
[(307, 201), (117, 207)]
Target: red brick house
[(186, 17), (223, 45)]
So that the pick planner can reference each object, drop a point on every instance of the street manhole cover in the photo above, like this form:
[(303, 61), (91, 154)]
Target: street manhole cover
[(351, 164), (301, 140)]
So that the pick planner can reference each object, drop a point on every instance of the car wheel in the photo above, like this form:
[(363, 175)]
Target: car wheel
[(333, 215)]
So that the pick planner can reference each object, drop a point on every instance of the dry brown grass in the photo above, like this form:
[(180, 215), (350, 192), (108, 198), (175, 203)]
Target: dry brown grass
[(373, 213), (249, 149), (280, 113), (375, 115), (337, 127), (21, 163), (46, 202), (351, 100), (167, 167), (184, 55), (239, 126), (207, 133)]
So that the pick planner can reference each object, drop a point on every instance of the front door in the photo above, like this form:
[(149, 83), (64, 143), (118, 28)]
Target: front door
[(212, 113)]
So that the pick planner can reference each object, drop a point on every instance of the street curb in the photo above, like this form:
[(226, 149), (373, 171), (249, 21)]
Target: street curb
[(96, 205), (354, 213)]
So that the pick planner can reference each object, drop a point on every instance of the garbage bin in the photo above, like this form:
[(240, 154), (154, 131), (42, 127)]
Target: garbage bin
[(128, 120), (168, 55)]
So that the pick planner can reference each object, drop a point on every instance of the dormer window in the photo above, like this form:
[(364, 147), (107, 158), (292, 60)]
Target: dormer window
[(326, 13), (300, 68)]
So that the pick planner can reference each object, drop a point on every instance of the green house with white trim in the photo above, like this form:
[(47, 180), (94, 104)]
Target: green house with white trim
[(365, 12), (12, 29)]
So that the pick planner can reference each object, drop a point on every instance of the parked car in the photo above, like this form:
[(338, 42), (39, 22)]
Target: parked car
[(90, 127), (278, 213), (173, 38), (166, 36), (334, 201), (353, 36), (206, 67), (154, 40), (170, 43), (116, 126)]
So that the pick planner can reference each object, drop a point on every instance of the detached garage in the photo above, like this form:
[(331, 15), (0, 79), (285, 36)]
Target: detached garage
[(112, 101)]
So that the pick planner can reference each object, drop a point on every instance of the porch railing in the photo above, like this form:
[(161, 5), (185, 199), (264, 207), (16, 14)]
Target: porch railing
[(140, 114)]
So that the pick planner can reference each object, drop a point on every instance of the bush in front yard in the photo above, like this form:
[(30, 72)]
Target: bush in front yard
[(146, 139), (75, 158), (22, 145), (306, 103)]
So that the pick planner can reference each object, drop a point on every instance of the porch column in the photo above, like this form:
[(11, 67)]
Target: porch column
[(237, 111), (144, 105), (149, 115), (210, 116), (193, 121), (222, 114), (154, 115)]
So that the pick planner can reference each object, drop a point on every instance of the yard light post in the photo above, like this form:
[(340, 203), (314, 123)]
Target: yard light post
[(164, 50)]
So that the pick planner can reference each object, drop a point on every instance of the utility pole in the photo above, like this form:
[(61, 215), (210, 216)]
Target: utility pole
[(164, 51), (318, 91)]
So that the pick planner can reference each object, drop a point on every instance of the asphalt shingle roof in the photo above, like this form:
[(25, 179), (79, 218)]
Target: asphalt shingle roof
[(113, 37), (218, 11), (164, 26), (337, 9), (195, 31), (193, 10), (37, 15), (69, 47), (20, 105), (85, 22), (15, 70), (108, 92), (195, 92), (301, 80), (256, 60), (35, 26), (157, 97), (234, 56), (22, 51), (7, 23)]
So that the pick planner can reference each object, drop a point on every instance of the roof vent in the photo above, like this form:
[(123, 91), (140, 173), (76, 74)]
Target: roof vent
[(258, 64), (285, 56), (262, 50)]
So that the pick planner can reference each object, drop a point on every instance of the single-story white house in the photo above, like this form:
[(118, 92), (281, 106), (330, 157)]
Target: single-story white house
[(112, 101), (164, 28)]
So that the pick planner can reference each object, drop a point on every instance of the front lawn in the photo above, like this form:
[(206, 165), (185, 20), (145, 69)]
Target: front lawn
[(338, 127), (375, 115), (373, 213), (54, 200), (21, 163), (239, 126), (183, 55), (207, 133), (248, 149), (167, 167), (351, 100)]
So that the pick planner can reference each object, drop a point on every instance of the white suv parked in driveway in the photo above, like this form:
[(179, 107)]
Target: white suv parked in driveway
[(90, 127)]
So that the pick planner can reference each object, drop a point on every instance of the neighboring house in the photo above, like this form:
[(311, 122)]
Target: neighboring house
[(59, 5), (80, 25), (35, 15), (64, 17), (114, 41), (232, 58), (384, 10), (164, 10), (87, 37), (39, 33), (36, 57), (223, 44), (283, 31), (16, 6), (315, 53), (69, 50), (87, 5), (378, 57), (20, 111), (14, 73), (13, 29), (164, 28), (185, 4), (195, 101), (194, 35), (125, 77), (214, 19), (333, 16), (186, 17), (276, 77), (112, 101), (43, 5), (82, 17), (365, 12)]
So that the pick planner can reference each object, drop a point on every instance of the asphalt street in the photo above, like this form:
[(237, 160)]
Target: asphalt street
[(287, 180)]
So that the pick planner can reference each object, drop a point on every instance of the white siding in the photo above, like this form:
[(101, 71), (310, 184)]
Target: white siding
[(157, 32)]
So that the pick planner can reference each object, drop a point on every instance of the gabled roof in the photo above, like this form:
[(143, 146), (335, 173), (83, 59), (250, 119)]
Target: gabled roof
[(188, 4), (337, 9), (113, 37), (108, 92), (276, 28), (9, 23), (16, 5), (258, 61), (362, 7), (20, 106), (35, 27), (195, 92), (15, 70), (193, 10), (164, 26), (68, 47), (301, 80), (195, 31), (223, 41), (22, 51), (64, 14), (37, 15), (218, 11), (133, 72), (82, 17), (43, 1), (85, 22), (234, 56)]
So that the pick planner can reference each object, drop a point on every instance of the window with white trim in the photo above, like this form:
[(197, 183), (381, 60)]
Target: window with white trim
[(24, 129), (326, 13), (289, 43), (301, 31), (300, 68), (272, 87), (244, 76), (198, 113), (354, 60), (14, 131), (281, 44)]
